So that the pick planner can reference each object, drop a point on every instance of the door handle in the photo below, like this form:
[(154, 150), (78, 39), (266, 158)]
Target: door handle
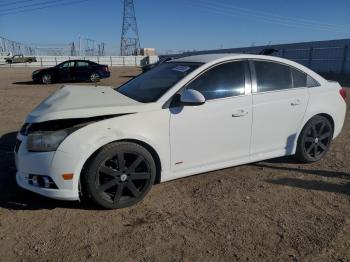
[(240, 113), (296, 102)]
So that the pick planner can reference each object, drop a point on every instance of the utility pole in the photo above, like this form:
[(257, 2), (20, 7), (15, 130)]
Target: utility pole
[(130, 41)]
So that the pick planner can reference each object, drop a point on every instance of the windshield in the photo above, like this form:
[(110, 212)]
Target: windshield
[(150, 86)]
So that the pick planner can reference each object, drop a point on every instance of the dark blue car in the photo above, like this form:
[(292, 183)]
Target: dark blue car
[(72, 70)]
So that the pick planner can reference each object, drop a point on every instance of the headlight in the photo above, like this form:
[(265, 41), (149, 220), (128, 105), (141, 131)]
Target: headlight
[(35, 72), (46, 141)]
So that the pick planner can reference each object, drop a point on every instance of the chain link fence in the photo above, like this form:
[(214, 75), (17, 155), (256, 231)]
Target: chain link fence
[(48, 61)]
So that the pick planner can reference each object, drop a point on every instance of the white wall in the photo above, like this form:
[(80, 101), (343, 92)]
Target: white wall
[(48, 61)]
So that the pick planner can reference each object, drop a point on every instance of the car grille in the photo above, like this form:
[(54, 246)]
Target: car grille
[(17, 145)]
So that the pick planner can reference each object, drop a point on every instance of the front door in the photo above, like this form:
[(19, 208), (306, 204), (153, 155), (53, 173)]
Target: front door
[(65, 71), (219, 130)]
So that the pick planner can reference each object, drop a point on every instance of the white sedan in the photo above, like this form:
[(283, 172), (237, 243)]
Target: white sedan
[(184, 117)]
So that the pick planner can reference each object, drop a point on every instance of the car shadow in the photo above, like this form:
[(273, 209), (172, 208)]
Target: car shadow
[(322, 173), (343, 187), (25, 83), (12, 197), (129, 76), (69, 82), (313, 185)]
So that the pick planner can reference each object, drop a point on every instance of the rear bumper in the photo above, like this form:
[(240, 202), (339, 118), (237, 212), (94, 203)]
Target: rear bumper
[(36, 79), (104, 74)]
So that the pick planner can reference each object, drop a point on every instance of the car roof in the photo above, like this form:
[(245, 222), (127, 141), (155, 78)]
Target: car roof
[(203, 58), (81, 60), (209, 58), (78, 60)]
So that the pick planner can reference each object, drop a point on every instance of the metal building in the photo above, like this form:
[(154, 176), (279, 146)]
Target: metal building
[(331, 56)]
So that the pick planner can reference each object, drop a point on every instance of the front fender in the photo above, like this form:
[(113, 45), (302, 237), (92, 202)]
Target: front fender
[(77, 148)]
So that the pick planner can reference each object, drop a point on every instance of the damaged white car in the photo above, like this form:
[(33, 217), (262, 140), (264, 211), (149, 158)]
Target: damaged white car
[(184, 117)]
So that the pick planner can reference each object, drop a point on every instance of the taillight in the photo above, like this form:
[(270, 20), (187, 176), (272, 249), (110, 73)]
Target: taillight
[(342, 92)]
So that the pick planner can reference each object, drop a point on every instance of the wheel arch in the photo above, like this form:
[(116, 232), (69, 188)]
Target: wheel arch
[(148, 147), (328, 117), (325, 115)]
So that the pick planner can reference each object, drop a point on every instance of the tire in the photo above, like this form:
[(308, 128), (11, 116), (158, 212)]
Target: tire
[(120, 175), (46, 79), (94, 77), (314, 140)]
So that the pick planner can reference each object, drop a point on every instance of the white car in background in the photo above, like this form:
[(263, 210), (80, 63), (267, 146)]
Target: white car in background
[(186, 116)]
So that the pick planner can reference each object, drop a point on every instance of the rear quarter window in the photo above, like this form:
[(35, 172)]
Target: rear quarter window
[(301, 79)]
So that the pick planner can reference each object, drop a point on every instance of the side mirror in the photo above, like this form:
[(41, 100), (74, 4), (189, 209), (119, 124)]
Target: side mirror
[(192, 97)]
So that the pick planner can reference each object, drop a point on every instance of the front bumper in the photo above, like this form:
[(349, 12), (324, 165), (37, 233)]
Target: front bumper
[(51, 164), (35, 79), (59, 194)]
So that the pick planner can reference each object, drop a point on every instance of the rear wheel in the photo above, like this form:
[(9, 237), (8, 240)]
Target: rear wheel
[(120, 175), (94, 77), (314, 139), (46, 79)]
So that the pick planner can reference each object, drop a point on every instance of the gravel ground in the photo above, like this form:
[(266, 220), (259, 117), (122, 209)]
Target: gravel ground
[(276, 210)]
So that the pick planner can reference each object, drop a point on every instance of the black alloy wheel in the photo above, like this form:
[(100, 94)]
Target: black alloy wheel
[(94, 77), (120, 175), (315, 139)]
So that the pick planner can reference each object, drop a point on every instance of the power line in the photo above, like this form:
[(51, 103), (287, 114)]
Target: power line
[(31, 5), (271, 15), (229, 10), (224, 9), (16, 2), (270, 18), (43, 7)]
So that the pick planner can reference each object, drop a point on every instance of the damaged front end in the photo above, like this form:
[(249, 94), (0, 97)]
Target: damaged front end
[(47, 136)]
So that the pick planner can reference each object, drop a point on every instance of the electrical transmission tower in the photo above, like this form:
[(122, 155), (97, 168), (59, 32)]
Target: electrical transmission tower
[(73, 51), (130, 41)]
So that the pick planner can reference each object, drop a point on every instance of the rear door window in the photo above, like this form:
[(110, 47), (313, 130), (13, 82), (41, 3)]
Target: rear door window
[(299, 78), (272, 76), (82, 64)]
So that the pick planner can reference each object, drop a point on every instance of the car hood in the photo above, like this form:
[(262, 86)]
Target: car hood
[(43, 70), (83, 102)]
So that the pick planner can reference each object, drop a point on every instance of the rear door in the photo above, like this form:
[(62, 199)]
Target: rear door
[(279, 105), (82, 70)]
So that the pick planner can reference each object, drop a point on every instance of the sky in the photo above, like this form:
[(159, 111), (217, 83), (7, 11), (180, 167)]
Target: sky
[(176, 25)]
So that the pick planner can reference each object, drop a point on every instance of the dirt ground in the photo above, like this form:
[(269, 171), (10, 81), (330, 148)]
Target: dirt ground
[(276, 210)]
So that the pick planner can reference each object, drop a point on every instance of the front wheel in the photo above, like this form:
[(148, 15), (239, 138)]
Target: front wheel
[(120, 175), (314, 140)]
